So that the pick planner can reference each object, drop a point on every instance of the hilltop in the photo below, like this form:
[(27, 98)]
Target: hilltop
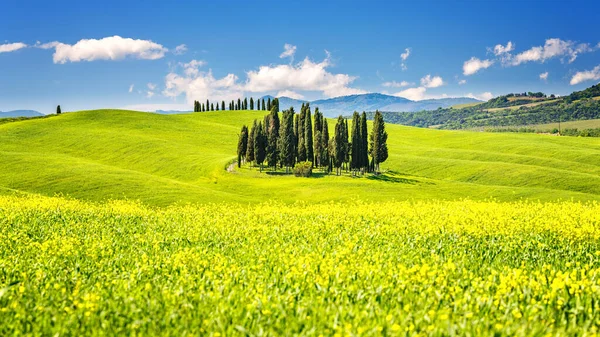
[(20, 113), (166, 159)]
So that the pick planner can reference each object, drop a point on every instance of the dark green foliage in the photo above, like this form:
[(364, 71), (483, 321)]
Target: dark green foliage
[(339, 144), (197, 107), (275, 105), (378, 140), (242, 145), (308, 135), (301, 134), (593, 91), (303, 169), (250, 148), (356, 160), (286, 143), (207, 105), (269, 104), (263, 104), (325, 144), (364, 147), (223, 105), (258, 104), (318, 138), (212, 107), (260, 145), (239, 104), (245, 103), (58, 111), (203, 107), (272, 123), (251, 103)]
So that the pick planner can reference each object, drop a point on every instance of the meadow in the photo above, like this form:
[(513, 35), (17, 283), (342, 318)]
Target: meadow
[(353, 268), (128, 223), (166, 159)]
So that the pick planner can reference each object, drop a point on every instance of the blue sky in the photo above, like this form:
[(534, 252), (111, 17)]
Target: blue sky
[(116, 54)]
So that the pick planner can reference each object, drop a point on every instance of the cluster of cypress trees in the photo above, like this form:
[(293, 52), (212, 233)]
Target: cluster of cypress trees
[(294, 139), (238, 105)]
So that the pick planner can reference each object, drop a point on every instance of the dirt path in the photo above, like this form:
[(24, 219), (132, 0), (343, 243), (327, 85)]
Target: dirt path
[(231, 167)]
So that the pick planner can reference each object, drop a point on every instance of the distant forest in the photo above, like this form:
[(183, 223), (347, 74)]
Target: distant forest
[(577, 106)]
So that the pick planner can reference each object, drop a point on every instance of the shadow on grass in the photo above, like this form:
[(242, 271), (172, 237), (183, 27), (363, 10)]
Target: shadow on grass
[(291, 174), (388, 177)]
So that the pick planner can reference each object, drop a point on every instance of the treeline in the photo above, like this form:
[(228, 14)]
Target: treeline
[(240, 104), (296, 139), (473, 117)]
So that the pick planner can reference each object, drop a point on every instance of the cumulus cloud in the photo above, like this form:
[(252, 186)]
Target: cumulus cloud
[(10, 47), (288, 51), (394, 84), (551, 49), (486, 96), (589, 75), (414, 94), (180, 50), (404, 56), (109, 48), (306, 75), (500, 49), (193, 67), (131, 88), (201, 85), (544, 76), (290, 94), (432, 82), (474, 64), (461, 82)]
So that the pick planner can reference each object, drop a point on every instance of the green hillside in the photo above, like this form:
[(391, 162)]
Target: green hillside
[(166, 159)]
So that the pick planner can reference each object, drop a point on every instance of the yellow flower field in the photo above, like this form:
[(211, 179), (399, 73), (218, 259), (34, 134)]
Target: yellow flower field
[(463, 268)]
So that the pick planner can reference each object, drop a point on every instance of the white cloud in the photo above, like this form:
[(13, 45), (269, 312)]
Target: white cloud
[(474, 64), (552, 48), (151, 86), (589, 75), (288, 51), (544, 76), (131, 88), (500, 49), (306, 75), (461, 82), (486, 96), (432, 82), (193, 67), (394, 84), (149, 94), (202, 85), (10, 47), (404, 56), (180, 50), (414, 94), (108, 48), (290, 94)]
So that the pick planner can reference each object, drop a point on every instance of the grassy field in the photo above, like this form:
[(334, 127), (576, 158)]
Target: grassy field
[(465, 105), (460, 268), (515, 107), (166, 159)]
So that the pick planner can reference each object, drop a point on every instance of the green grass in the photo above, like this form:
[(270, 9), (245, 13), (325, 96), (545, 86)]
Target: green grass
[(166, 159), (465, 105)]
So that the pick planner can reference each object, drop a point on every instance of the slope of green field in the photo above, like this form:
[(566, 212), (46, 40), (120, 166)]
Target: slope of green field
[(165, 159)]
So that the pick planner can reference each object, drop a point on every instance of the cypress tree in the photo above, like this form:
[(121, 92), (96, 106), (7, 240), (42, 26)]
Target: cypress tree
[(325, 145), (308, 135), (250, 148), (203, 107), (286, 140), (269, 104), (263, 104), (318, 142), (207, 105), (260, 141), (212, 107), (58, 110), (242, 145), (346, 145), (364, 147), (239, 104), (245, 103), (251, 103), (378, 140), (223, 105), (258, 104), (301, 135), (273, 136), (275, 104), (355, 162), (339, 144)]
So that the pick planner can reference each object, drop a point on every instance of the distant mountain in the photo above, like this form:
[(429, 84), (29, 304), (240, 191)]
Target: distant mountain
[(172, 112), (345, 105), (20, 113)]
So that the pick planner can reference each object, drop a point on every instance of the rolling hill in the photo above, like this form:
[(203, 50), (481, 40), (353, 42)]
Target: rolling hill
[(166, 159), (333, 107)]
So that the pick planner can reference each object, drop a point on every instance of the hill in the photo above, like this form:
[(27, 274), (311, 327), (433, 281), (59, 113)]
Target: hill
[(20, 113), (333, 107), (507, 111), (166, 159)]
